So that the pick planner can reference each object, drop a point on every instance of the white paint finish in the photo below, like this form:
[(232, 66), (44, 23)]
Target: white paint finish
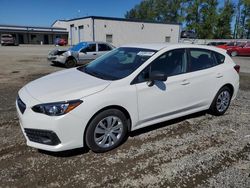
[(145, 105), (60, 24), (57, 86), (135, 32), (87, 32), (123, 31)]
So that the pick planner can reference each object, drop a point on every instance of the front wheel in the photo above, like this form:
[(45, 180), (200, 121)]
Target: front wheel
[(221, 101), (70, 63), (106, 131)]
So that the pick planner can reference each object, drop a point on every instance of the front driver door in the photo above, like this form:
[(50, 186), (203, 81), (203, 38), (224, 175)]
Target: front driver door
[(88, 53), (163, 98)]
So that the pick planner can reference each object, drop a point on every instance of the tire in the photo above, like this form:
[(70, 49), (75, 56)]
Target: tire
[(70, 63), (234, 53), (106, 131), (221, 101), (55, 63)]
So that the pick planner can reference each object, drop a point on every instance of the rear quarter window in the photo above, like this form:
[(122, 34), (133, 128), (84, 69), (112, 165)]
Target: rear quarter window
[(219, 57)]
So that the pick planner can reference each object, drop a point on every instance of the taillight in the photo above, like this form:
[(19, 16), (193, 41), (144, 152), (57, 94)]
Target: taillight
[(237, 68)]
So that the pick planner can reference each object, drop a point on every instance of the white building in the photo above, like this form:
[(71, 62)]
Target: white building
[(118, 31)]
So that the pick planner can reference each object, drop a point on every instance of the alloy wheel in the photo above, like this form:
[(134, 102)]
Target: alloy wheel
[(223, 101)]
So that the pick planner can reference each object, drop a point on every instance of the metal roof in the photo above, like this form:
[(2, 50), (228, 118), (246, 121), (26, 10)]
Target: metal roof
[(118, 19), (4, 27)]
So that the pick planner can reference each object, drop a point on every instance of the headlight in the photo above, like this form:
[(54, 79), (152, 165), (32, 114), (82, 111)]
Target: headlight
[(56, 109)]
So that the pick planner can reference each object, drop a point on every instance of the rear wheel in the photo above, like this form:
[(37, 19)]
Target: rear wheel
[(221, 101), (106, 131), (70, 63)]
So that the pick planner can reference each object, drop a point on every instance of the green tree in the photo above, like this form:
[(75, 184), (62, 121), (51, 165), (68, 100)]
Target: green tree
[(202, 17), (245, 20), (209, 18), (158, 10), (144, 11), (223, 26)]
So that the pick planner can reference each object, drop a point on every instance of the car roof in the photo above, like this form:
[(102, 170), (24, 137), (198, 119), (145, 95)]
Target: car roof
[(92, 42), (160, 46)]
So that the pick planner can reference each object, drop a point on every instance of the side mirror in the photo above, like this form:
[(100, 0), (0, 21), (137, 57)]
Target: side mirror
[(156, 76)]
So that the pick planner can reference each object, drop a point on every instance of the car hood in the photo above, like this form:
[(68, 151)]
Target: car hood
[(65, 85)]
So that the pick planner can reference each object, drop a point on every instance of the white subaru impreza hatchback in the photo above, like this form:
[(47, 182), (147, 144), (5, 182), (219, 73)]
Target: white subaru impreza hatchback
[(131, 87)]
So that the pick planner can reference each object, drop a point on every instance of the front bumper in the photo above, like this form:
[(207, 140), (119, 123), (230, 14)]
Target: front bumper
[(51, 133), (42, 136), (57, 58)]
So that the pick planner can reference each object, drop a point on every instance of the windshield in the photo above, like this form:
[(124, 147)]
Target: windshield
[(117, 64), (78, 46)]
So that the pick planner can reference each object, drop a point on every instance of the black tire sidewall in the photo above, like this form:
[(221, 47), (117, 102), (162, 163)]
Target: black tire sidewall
[(70, 63), (213, 107), (89, 136)]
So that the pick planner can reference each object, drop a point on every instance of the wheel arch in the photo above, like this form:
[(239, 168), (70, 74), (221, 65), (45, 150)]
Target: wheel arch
[(71, 58), (122, 109), (231, 88)]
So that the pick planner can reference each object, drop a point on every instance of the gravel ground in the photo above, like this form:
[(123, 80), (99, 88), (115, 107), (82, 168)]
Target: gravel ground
[(199, 150)]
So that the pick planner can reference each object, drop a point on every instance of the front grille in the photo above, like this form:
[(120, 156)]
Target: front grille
[(42, 136), (21, 105)]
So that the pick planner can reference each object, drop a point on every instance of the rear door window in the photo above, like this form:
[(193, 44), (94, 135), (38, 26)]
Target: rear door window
[(200, 59), (103, 47)]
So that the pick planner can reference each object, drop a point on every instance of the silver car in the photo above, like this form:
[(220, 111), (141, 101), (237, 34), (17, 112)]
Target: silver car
[(82, 53)]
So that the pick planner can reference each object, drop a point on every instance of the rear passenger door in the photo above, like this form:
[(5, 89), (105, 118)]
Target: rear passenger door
[(205, 75)]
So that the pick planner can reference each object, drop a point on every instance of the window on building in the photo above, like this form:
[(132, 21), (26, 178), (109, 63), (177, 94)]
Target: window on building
[(167, 39), (109, 38)]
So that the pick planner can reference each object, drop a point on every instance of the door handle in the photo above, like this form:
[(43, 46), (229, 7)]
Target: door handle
[(219, 75), (185, 82)]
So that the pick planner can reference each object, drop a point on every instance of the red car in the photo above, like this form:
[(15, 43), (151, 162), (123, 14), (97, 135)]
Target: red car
[(243, 49), (61, 42), (229, 45)]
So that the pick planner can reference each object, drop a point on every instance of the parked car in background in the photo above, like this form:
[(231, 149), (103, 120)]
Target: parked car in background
[(129, 88), (241, 50), (82, 53), (216, 43), (61, 42), (229, 45), (188, 34), (8, 39)]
